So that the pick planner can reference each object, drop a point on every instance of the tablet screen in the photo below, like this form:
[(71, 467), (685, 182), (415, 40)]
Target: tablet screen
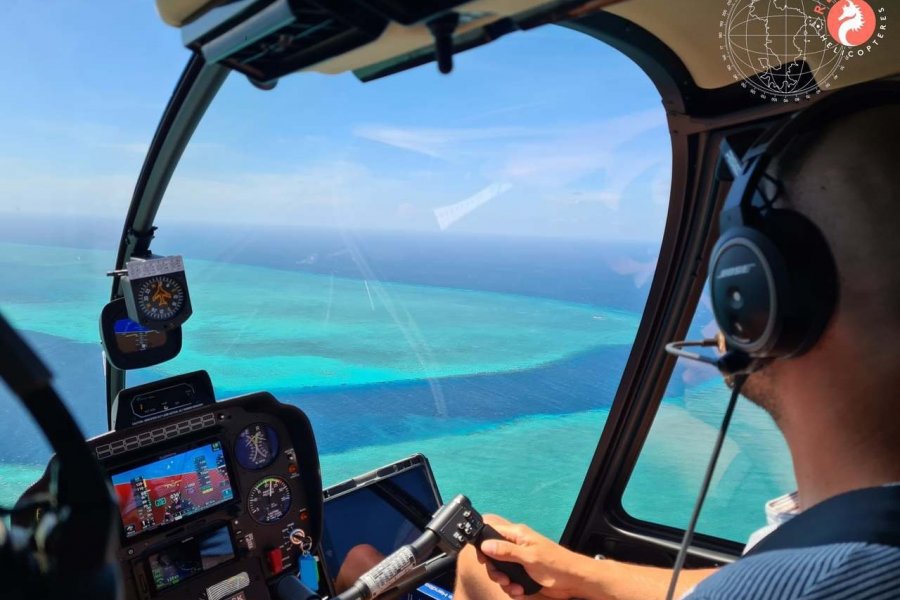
[(383, 511)]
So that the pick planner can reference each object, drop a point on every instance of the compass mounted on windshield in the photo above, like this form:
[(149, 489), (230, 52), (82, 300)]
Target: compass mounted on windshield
[(156, 292)]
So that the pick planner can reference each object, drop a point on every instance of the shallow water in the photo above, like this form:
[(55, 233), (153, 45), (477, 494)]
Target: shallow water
[(505, 392)]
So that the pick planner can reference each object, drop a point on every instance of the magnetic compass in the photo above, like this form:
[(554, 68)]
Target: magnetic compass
[(160, 298), (156, 293)]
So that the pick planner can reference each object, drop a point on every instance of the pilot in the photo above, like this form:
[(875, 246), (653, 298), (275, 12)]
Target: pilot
[(836, 405)]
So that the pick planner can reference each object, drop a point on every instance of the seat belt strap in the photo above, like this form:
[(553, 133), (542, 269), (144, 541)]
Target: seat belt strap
[(870, 515)]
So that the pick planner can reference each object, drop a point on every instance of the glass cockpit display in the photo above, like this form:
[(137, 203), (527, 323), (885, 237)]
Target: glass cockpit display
[(133, 337), (172, 488), (190, 557), (130, 345), (256, 446)]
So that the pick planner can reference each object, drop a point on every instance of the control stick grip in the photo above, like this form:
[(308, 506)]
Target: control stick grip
[(514, 571)]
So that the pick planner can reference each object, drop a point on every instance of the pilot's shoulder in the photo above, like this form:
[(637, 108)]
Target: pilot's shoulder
[(845, 570)]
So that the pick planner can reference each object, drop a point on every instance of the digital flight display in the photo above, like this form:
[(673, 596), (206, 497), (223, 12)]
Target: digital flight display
[(133, 337), (190, 557), (172, 488)]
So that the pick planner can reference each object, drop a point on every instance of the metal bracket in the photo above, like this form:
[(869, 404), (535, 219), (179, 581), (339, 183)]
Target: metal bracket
[(140, 240)]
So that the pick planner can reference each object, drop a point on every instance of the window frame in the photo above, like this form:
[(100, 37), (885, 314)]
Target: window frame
[(698, 119), (693, 114)]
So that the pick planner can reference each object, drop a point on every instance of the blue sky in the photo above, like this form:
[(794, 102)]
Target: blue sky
[(545, 133)]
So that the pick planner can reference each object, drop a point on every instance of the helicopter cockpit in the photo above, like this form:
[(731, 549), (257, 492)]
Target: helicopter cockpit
[(365, 232)]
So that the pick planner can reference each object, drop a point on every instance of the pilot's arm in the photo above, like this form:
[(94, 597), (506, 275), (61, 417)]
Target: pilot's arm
[(562, 573)]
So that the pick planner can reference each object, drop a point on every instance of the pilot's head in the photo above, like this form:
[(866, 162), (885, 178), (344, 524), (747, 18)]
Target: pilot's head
[(845, 177)]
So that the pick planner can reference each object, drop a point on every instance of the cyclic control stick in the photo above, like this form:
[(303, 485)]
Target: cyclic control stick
[(453, 526)]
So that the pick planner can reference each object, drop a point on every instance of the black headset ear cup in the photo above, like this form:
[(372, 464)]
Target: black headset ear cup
[(773, 279), (773, 286), (746, 272)]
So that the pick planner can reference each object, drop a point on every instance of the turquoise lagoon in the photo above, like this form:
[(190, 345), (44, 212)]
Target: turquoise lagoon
[(370, 346)]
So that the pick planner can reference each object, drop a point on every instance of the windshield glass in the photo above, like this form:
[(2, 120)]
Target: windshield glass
[(77, 115), (454, 265), (448, 265)]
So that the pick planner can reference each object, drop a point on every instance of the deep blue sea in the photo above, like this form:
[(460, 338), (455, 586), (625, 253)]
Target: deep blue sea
[(496, 357)]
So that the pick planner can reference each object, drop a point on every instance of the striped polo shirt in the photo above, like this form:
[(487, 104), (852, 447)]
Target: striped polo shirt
[(846, 570), (854, 571)]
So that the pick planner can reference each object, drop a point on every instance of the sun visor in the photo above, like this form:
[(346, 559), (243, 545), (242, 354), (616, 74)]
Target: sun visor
[(267, 39), (177, 13)]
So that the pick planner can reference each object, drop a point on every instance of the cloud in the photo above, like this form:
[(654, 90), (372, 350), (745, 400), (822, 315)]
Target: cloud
[(450, 214), (88, 134), (228, 197), (640, 271), (536, 165), (553, 158), (436, 142), (339, 193), (52, 193), (607, 198), (661, 185), (555, 181), (262, 196), (564, 156)]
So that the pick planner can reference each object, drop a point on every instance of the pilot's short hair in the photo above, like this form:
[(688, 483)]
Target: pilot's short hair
[(845, 176)]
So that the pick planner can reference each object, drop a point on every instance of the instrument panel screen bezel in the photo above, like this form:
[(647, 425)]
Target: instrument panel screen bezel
[(161, 455), (198, 540)]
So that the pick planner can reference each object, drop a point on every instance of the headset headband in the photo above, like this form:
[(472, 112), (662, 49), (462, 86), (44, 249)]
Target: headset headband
[(738, 210)]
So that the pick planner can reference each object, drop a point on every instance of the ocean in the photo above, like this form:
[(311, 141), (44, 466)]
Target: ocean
[(498, 358)]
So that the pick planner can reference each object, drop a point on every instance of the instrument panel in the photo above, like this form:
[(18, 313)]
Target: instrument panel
[(215, 502)]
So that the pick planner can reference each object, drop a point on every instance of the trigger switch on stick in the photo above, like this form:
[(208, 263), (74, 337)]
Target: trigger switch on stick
[(514, 571)]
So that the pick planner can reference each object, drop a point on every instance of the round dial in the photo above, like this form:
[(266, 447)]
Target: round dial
[(269, 500), (256, 446), (160, 298)]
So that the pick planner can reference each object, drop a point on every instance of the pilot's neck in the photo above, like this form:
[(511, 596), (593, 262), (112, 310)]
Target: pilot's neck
[(841, 426)]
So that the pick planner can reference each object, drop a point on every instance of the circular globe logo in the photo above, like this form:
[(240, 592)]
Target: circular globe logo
[(788, 50)]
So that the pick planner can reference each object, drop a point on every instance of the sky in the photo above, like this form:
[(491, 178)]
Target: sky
[(546, 133)]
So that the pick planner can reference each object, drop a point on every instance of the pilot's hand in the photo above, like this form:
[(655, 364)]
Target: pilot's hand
[(557, 569), (359, 559)]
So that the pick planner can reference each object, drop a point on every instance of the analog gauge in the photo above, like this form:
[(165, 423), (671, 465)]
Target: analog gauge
[(160, 298), (256, 446), (269, 500)]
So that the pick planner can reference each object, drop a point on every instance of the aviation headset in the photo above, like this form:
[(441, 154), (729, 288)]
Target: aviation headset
[(773, 279)]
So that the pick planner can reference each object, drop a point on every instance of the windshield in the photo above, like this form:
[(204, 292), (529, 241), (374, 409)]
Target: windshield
[(77, 115), (448, 265)]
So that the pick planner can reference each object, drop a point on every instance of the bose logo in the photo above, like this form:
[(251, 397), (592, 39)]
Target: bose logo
[(735, 271)]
